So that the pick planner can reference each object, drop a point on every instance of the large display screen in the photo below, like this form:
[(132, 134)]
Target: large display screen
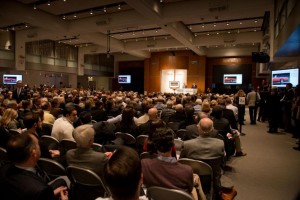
[(124, 79), (232, 79), (281, 77), (11, 78)]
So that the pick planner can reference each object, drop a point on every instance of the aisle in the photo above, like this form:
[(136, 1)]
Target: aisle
[(270, 171)]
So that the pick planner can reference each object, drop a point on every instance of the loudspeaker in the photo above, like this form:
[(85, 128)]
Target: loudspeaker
[(260, 57)]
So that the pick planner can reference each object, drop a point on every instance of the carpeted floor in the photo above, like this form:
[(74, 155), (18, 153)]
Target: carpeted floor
[(271, 169)]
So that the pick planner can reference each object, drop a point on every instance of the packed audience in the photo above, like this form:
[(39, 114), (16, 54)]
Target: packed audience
[(87, 117)]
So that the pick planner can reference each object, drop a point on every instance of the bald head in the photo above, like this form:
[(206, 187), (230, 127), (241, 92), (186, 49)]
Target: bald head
[(205, 126), (152, 112), (179, 107)]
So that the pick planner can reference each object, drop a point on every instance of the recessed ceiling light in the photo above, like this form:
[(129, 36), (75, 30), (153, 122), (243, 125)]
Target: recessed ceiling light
[(196, 34), (91, 12), (64, 17), (207, 33), (241, 23), (119, 7), (34, 7), (217, 33), (203, 26), (215, 24), (49, 3), (104, 9), (255, 21), (75, 15), (191, 27), (227, 24)]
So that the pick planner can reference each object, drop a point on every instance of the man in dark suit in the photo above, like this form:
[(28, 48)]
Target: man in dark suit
[(194, 85), (19, 93), (286, 102), (20, 180)]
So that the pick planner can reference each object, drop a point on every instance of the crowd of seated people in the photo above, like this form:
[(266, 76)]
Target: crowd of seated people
[(120, 111)]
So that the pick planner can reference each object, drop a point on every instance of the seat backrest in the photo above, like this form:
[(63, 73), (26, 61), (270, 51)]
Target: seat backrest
[(50, 141), (68, 144), (202, 169), (86, 177), (126, 137), (181, 133), (174, 126), (3, 155), (160, 193), (47, 128), (140, 140), (178, 145), (52, 168), (97, 147)]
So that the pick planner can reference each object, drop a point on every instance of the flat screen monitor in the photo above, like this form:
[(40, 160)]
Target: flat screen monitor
[(11, 78), (233, 79), (281, 77), (124, 79)]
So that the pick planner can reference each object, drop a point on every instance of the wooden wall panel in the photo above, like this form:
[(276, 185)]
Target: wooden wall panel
[(194, 64)]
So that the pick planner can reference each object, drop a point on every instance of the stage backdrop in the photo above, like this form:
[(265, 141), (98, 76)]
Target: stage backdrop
[(168, 75)]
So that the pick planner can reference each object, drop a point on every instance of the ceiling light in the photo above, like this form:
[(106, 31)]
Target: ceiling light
[(64, 0), (207, 33), (146, 39), (255, 21), (91, 12), (228, 32), (104, 9), (217, 33), (49, 3), (34, 7), (156, 30), (191, 27), (75, 15), (196, 34), (215, 24), (26, 25), (254, 30), (13, 28), (133, 33), (241, 23), (119, 7), (227, 23), (166, 37), (143, 32), (161, 1), (203, 26), (64, 17)]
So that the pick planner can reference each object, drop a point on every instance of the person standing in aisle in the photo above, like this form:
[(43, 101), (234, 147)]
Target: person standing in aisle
[(252, 99)]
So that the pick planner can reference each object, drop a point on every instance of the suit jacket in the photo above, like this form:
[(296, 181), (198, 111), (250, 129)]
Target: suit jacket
[(87, 158), (19, 97), (20, 184), (203, 148), (229, 115), (209, 150), (192, 132)]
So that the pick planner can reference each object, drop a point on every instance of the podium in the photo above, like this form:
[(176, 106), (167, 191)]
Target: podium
[(186, 90)]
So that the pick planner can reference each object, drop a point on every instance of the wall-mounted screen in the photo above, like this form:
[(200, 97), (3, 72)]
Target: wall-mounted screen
[(232, 79), (124, 79), (281, 77), (11, 78)]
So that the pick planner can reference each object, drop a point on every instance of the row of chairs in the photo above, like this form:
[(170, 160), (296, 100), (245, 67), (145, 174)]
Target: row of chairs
[(89, 179)]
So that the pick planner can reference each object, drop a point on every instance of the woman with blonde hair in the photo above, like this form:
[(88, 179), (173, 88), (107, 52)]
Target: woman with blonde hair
[(9, 119)]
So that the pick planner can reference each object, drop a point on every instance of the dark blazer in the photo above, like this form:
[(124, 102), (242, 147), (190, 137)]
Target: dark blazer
[(229, 115), (20, 184), (20, 97)]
